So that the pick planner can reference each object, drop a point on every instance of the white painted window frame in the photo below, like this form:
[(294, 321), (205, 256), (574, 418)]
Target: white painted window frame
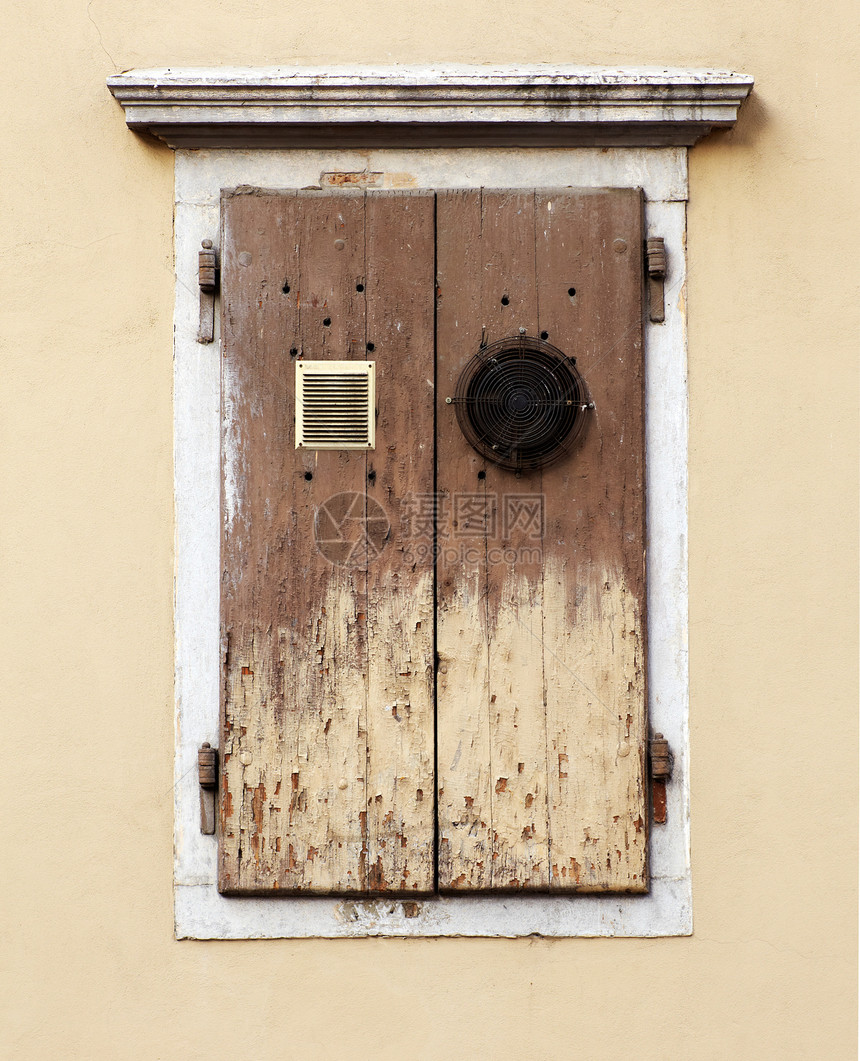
[(661, 171)]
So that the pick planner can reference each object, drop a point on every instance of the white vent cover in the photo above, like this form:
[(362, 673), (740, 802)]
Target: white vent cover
[(335, 404)]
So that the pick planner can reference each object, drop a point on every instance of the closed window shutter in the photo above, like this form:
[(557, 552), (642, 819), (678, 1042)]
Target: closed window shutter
[(541, 714), (337, 724), (327, 724)]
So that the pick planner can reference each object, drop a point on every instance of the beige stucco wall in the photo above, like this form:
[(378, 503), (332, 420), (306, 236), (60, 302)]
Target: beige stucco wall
[(89, 965)]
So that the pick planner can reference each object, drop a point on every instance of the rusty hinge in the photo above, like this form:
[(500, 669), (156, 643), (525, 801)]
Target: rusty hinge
[(655, 261), (207, 775), (207, 276), (662, 762)]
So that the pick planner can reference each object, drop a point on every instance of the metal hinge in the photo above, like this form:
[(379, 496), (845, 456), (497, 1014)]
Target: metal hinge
[(662, 762), (655, 261), (207, 775), (207, 276)]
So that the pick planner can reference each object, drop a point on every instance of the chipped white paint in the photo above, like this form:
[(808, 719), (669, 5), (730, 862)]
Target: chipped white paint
[(200, 912), (538, 780), (597, 806), (400, 729), (234, 464), (292, 823), (518, 736), (465, 759)]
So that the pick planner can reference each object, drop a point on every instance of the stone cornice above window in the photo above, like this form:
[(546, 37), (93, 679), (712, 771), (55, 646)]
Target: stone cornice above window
[(468, 106)]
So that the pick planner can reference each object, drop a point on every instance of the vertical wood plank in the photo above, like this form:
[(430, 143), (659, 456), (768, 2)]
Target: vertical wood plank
[(504, 561), (514, 576), (295, 607), (400, 607), (259, 241), (464, 758), (594, 622), (325, 604)]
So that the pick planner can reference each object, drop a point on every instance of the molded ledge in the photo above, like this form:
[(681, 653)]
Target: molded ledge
[(471, 106)]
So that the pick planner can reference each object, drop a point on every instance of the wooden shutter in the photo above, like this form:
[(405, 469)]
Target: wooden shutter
[(328, 618), (541, 714), (327, 634)]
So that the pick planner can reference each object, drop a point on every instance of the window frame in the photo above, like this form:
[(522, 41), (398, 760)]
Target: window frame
[(200, 911)]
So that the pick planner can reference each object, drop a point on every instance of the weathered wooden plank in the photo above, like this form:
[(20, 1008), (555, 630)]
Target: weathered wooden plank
[(510, 798), (326, 598), (538, 630), (296, 555), (251, 787), (513, 572), (294, 726), (506, 555), (462, 712), (594, 554), (399, 283)]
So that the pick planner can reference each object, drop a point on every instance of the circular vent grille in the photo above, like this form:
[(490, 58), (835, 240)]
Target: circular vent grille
[(521, 403)]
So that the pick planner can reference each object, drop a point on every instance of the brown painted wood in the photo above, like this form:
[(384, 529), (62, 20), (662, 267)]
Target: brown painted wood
[(464, 752), (594, 559), (308, 625), (541, 696), (400, 615), (493, 790)]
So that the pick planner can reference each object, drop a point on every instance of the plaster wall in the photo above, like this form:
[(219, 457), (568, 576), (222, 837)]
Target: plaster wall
[(89, 965)]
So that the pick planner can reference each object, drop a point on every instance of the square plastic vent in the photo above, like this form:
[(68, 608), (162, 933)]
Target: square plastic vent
[(335, 404)]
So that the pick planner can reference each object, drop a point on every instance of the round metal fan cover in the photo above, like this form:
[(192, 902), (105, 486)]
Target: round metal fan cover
[(521, 403)]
